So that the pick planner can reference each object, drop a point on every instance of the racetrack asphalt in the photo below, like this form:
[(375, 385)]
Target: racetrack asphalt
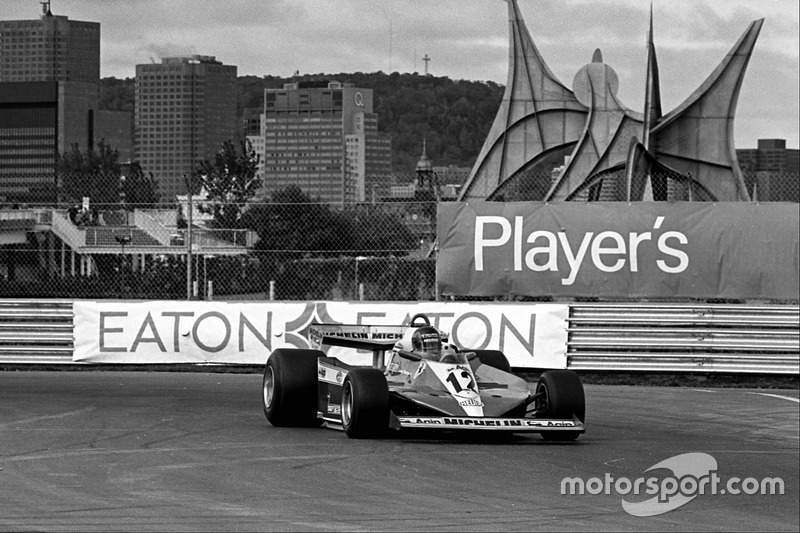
[(192, 451)]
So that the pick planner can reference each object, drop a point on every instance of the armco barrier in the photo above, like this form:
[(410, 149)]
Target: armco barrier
[(36, 331), (754, 339), (761, 339)]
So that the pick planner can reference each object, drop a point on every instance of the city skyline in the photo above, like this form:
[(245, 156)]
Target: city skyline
[(465, 40)]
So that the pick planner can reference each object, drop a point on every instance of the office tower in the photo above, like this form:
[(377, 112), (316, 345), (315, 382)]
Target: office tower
[(771, 171), (323, 137), (51, 48), (185, 110), (28, 142), (50, 75)]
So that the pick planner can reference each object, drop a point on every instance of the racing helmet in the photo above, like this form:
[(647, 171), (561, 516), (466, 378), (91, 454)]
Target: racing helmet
[(427, 342)]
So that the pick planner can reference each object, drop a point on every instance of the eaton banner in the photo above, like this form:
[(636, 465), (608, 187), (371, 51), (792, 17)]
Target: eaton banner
[(530, 335), (613, 249)]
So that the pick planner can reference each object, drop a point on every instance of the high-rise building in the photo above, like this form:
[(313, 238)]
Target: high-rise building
[(28, 141), (185, 108), (771, 171), (51, 48), (323, 137), (50, 75)]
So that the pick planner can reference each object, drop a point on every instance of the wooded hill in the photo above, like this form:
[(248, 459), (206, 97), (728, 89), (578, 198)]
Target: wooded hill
[(454, 116)]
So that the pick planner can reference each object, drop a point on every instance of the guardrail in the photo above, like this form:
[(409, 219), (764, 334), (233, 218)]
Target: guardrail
[(684, 338), (762, 339), (36, 331)]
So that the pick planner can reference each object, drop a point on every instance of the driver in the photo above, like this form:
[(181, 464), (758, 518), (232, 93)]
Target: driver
[(427, 343)]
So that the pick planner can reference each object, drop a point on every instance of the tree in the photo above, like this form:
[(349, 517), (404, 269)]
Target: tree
[(98, 176), (294, 223), (229, 182), (89, 174), (381, 233), (141, 190)]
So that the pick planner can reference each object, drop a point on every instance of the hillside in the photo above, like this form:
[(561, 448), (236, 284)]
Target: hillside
[(453, 115)]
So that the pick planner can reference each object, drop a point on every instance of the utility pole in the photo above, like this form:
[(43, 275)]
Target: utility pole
[(189, 193)]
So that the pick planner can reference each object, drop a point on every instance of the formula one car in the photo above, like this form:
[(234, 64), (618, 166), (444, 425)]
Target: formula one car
[(425, 383)]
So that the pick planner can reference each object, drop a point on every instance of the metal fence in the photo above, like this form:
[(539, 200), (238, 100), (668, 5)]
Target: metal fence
[(681, 337), (761, 186), (380, 249), (298, 252)]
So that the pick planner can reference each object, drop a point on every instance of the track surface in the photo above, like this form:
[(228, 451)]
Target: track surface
[(164, 451)]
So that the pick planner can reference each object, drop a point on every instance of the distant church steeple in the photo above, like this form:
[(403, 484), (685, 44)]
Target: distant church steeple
[(46, 8), (424, 164), (427, 186)]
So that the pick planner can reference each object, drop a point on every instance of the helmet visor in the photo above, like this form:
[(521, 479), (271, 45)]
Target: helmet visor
[(432, 345)]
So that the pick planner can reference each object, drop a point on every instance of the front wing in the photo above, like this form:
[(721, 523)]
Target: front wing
[(515, 425)]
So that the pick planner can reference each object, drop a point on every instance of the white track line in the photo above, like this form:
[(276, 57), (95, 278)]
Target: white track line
[(795, 400)]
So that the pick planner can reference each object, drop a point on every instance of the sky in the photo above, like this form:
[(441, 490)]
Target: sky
[(464, 39)]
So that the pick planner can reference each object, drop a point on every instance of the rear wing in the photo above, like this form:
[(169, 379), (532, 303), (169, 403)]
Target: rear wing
[(375, 339)]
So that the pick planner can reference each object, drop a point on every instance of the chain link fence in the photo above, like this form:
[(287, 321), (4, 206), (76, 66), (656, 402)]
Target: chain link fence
[(380, 250), (762, 186)]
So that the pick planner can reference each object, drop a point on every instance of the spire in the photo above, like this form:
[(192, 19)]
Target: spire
[(652, 95), (46, 8), (638, 171), (424, 164)]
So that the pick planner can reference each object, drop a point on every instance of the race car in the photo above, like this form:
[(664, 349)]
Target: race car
[(417, 380)]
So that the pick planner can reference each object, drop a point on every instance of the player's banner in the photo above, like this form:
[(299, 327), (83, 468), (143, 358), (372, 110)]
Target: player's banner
[(619, 250), (142, 332)]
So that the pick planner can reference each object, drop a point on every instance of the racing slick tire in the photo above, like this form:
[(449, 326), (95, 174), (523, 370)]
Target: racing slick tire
[(289, 388), (561, 396), (494, 358), (365, 404)]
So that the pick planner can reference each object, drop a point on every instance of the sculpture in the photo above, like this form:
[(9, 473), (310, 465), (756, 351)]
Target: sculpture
[(609, 152)]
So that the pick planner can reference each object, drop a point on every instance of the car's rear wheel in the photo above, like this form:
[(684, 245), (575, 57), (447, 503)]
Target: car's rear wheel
[(289, 388), (494, 358), (365, 404), (560, 395)]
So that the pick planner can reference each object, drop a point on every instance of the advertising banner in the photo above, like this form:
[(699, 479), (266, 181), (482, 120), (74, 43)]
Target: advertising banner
[(530, 335), (612, 249)]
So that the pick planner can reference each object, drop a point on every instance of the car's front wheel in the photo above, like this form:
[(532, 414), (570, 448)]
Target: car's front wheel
[(289, 388), (365, 404), (559, 395)]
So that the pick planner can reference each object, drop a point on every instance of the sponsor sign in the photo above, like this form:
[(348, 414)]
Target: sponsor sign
[(531, 335), (507, 424), (612, 249), (330, 374), (354, 332)]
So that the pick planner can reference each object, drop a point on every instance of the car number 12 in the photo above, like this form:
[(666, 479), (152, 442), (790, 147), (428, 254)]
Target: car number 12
[(460, 380)]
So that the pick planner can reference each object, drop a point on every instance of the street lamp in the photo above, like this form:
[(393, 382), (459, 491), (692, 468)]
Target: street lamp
[(189, 208)]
